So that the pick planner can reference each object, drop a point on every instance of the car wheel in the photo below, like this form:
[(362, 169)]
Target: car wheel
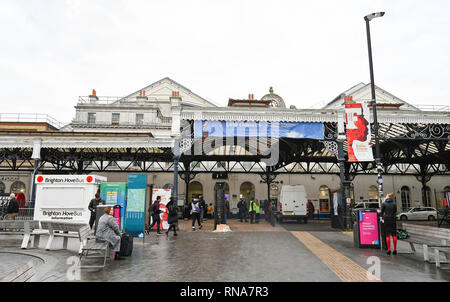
[(431, 218), (403, 217)]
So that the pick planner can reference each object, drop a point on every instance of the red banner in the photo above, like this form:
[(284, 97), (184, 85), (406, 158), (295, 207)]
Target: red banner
[(357, 117)]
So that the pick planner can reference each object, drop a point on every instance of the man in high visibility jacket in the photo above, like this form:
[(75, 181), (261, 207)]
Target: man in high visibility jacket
[(252, 211), (257, 210)]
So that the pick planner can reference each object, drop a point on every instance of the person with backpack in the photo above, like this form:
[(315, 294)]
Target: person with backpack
[(155, 215), (195, 212), (172, 218), (388, 213)]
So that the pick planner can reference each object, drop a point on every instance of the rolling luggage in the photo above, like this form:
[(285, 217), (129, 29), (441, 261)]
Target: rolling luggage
[(126, 245)]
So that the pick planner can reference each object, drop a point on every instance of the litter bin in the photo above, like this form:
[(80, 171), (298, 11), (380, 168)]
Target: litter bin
[(366, 229)]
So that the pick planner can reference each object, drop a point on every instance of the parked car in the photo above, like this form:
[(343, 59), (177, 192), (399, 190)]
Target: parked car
[(364, 205), (419, 213)]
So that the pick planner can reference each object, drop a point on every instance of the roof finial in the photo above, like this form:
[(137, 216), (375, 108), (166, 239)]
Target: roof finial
[(271, 90)]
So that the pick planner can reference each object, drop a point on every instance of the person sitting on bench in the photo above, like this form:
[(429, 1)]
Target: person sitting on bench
[(108, 230)]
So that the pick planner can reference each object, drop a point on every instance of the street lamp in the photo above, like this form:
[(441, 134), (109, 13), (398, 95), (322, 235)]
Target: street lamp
[(368, 18)]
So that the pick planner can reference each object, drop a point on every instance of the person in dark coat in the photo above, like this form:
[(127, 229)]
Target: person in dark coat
[(13, 207), (203, 208), (155, 215), (388, 213), (242, 206), (93, 207), (172, 218), (108, 230)]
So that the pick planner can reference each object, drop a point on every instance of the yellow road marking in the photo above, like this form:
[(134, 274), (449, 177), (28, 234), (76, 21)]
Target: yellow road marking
[(343, 267)]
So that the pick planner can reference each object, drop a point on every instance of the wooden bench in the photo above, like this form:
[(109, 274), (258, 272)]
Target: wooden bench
[(66, 230), (427, 236), (26, 228), (94, 246)]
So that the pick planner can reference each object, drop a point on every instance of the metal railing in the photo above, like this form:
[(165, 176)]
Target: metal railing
[(24, 214), (30, 118), (445, 108)]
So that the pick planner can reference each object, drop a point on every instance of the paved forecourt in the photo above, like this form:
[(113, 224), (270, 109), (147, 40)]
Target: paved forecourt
[(259, 252)]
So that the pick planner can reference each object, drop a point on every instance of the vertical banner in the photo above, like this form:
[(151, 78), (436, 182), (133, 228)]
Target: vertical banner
[(165, 197), (115, 193), (357, 117), (135, 213)]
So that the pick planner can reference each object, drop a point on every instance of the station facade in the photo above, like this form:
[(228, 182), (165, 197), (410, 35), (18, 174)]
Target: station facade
[(152, 115)]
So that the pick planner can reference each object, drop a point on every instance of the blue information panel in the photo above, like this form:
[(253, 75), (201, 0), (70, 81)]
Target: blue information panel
[(135, 217)]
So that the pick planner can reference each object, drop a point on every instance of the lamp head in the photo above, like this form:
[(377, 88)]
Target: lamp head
[(374, 15)]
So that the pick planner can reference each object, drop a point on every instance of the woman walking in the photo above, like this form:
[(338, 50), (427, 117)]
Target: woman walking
[(172, 219), (388, 213)]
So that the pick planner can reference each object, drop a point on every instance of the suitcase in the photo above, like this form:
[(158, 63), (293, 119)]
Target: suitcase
[(126, 245)]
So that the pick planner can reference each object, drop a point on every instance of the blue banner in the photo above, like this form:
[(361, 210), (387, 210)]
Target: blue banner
[(135, 217), (258, 129)]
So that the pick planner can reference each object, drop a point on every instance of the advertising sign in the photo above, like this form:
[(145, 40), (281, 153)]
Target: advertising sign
[(165, 197), (135, 211), (65, 197), (368, 228), (335, 203), (258, 129), (115, 193), (357, 117)]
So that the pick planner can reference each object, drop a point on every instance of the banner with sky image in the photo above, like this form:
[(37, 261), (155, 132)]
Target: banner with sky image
[(258, 129)]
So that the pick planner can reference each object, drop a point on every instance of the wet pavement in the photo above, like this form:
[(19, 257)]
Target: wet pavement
[(249, 253)]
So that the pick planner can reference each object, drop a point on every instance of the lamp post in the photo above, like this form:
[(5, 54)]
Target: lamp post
[(368, 18)]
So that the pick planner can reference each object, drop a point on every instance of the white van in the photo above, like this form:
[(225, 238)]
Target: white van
[(293, 203)]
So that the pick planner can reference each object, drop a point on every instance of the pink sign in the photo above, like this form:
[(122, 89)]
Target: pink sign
[(368, 228)]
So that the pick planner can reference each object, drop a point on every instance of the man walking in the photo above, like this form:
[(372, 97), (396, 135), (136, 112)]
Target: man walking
[(13, 207), (155, 215), (195, 212), (93, 208)]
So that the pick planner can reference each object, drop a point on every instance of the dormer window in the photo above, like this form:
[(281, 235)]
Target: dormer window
[(115, 118), (91, 118)]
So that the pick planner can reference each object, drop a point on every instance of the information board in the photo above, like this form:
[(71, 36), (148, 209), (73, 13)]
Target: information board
[(135, 211), (115, 193), (165, 198)]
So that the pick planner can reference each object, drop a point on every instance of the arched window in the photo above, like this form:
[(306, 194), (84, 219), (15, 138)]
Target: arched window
[(195, 190), (426, 196), (2, 188), (406, 198), (247, 191), (18, 187), (373, 193)]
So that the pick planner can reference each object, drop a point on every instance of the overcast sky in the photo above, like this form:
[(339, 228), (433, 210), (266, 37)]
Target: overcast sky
[(53, 51)]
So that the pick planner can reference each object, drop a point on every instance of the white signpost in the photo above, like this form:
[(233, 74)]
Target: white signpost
[(65, 198)]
